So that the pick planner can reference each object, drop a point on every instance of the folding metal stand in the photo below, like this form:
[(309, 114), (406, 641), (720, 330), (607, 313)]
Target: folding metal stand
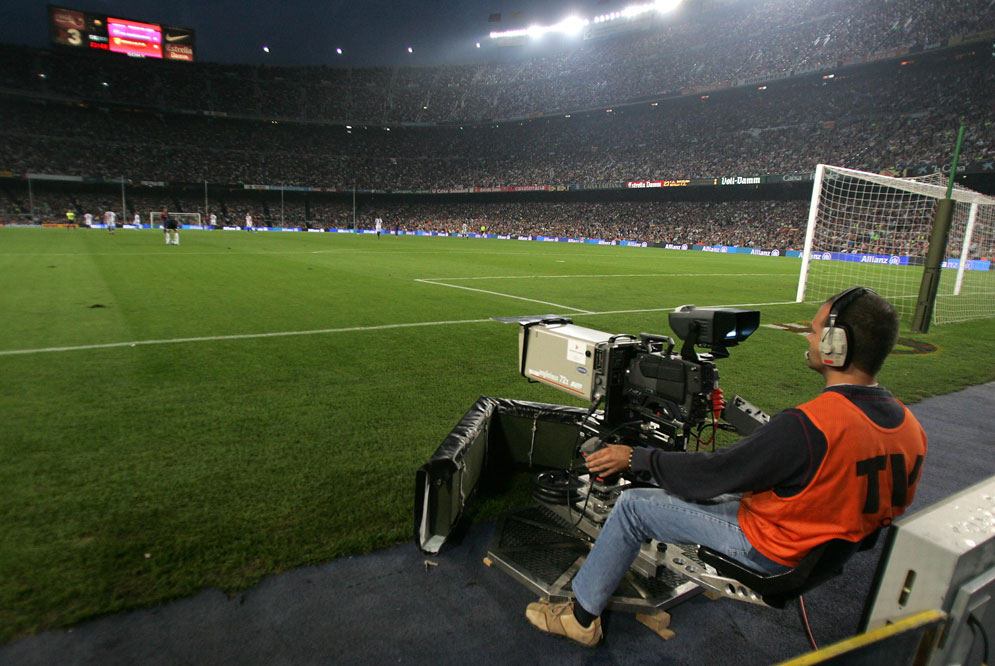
[(543, 551)]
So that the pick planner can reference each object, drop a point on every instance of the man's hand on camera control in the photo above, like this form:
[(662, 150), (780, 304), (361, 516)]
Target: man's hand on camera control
[(612, 459)]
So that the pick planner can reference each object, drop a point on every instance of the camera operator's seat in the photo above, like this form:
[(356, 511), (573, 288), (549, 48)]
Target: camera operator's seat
[(737, 581)]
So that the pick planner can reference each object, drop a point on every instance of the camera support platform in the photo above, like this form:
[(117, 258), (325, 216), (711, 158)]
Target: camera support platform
[(543, 551)]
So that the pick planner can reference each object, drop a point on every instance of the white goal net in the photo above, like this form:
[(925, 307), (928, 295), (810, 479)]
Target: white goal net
[(874, 230), (192, 219)]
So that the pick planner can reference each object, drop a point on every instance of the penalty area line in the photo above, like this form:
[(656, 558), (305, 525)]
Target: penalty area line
[(498, 293)]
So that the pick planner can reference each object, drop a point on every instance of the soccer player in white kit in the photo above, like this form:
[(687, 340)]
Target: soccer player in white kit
[(109, 218)]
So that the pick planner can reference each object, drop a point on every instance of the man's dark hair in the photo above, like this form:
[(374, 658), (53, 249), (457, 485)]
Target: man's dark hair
[(873, 321)]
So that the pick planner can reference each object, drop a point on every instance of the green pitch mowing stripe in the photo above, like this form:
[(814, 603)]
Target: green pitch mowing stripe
[(133, 475)]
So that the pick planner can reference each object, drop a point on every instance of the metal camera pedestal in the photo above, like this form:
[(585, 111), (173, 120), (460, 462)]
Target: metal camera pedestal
[(543, 551)]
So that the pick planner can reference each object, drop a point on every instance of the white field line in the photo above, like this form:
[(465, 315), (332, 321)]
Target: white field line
[(498, 293), (444, 282), (244, 336), (323, 331), (611, 275), (672, 308)]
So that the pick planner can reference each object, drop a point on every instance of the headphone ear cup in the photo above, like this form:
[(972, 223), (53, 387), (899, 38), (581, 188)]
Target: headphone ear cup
[(834, 346)]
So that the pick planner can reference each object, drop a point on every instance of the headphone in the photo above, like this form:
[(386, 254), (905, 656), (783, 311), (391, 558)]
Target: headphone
[(834, 345)]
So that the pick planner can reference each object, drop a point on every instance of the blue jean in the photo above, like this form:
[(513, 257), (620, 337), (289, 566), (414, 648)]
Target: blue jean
[(652, 513)]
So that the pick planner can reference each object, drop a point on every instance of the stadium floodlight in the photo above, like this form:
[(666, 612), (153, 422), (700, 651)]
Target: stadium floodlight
[(571, 25), (534, 31), (633, 11)]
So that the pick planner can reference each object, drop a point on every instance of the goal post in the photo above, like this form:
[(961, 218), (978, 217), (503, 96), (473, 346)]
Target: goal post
[(192, 219), (874, 230)]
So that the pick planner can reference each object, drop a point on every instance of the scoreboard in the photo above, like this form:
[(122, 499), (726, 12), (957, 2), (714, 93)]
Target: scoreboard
[(85, 30)]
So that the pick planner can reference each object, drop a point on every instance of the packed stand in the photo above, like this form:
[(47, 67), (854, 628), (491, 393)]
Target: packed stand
[(709, 44), (885, 118)]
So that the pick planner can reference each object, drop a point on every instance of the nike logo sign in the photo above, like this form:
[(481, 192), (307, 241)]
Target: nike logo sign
[(176, 38)]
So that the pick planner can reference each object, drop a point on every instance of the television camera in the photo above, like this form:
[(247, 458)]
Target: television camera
[(651, 396)]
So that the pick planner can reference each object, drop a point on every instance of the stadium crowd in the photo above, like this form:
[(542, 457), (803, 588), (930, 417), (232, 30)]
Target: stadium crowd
[(710, 43), (893, 117), (765, 225), (760, 224), (725, 88)]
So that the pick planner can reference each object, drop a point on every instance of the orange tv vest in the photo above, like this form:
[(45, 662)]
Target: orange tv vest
[(866, 479)]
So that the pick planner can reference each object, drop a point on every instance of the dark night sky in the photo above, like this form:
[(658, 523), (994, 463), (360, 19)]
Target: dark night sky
[(307, 32)]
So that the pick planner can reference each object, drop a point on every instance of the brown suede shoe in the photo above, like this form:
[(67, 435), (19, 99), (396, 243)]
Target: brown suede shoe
[(559, 619)]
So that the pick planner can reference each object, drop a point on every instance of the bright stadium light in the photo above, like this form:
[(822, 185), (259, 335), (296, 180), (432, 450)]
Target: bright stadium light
[(339, 51), (521, 32), (531, 31), (636, 10), (571, 25)]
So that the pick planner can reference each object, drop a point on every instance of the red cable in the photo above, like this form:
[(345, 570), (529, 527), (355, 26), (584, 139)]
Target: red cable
[(808, 629)]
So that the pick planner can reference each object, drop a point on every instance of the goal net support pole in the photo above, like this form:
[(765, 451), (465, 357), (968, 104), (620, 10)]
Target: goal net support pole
[(930, 284)]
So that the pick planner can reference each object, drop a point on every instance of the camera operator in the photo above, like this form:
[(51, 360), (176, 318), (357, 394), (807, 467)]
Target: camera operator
[(839, 466)]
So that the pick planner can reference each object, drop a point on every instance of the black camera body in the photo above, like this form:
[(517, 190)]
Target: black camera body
[(651, 396)]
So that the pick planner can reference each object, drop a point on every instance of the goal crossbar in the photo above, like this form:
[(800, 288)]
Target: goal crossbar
[(918, 186)]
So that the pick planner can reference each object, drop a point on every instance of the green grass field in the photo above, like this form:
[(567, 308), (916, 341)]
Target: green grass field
[(176, 418)]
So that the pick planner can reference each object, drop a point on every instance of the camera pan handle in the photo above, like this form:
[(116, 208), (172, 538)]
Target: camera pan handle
[(649, 339)]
